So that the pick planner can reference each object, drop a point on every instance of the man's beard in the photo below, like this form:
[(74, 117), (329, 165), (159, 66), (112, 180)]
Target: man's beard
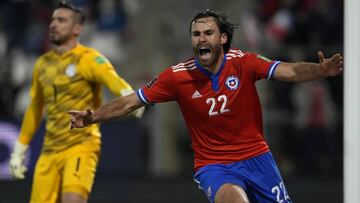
[(59, 40), (215, 52)]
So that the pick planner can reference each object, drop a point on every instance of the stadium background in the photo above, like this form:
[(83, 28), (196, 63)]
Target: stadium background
[(151, 160)]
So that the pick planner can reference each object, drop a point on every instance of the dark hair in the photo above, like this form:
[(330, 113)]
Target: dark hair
[(79, 15), (222, 20)]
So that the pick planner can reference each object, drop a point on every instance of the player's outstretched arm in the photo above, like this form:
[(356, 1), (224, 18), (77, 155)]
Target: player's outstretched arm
[(304, 71), (119, 107)]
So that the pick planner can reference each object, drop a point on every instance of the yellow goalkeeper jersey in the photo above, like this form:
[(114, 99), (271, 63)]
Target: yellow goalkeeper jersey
[(64, 82)]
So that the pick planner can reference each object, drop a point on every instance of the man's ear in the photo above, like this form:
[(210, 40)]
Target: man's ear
[(78, 29), (223, 38)]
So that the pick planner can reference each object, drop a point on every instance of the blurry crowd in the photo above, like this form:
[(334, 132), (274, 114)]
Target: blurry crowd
[(305, 119), (303, 122)]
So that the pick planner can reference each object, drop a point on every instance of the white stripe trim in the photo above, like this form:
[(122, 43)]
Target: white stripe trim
[(183, 66), (142, 97), (230, 54), (235, 55), (230, 57), (198, 182), (272, 69), (182, 69), (236, 52)]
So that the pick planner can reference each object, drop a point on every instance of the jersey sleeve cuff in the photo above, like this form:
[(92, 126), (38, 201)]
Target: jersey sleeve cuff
[(142, 97), (272, 70)]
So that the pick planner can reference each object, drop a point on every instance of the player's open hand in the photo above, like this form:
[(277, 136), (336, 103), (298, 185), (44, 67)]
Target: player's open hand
[(332, 66), (80, 119)]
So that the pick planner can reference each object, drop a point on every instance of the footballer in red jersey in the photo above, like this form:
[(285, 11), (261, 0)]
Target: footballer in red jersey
[(222, 110), (217, 96)]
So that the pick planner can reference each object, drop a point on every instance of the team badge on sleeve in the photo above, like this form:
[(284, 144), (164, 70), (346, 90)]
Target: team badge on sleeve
[(232, 82), (263, 58), (100, 59), (152, 82)]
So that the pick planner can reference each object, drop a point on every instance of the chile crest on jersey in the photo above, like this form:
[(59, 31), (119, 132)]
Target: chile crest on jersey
[(232, 82)]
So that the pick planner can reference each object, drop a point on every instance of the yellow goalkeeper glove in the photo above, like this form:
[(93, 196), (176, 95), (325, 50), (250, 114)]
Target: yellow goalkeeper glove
[(16, 164)]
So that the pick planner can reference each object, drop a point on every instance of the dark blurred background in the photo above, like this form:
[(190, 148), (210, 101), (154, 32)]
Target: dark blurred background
[(150, 160)]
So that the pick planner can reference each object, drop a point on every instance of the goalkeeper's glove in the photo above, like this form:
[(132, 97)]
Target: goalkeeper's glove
[(16, 164), (138, 113)]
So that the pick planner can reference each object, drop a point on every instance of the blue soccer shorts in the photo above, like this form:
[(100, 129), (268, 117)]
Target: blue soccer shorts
[(259, 177)]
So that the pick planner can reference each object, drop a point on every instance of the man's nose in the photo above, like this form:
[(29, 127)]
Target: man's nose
[(52, 24), (202, 38)]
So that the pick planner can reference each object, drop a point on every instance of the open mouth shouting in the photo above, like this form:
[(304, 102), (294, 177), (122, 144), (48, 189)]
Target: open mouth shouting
[(204, 53)]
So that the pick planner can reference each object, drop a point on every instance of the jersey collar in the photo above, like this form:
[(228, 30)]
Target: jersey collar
[(76, 49), (213, 77)]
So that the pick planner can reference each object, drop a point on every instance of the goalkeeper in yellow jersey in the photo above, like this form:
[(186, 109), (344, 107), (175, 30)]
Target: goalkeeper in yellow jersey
[(67, 77)]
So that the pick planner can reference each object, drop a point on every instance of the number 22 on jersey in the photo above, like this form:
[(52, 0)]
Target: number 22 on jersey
[(214, 102)]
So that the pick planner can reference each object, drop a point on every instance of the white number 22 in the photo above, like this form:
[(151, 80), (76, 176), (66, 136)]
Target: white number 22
[(212, 101), (280, 190)]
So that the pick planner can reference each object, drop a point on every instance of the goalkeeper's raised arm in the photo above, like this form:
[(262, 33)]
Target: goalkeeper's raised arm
[(119, 107)]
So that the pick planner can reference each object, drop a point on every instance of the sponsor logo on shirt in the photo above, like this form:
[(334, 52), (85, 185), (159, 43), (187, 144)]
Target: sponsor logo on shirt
[(209, 192), (232, 82), (196, 95)]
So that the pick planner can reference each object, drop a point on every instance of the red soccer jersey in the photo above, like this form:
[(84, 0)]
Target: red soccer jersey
[(222, 110)]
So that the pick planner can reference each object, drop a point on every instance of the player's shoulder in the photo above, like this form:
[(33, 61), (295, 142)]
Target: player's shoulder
[(92, 55), (241, 56), (186, 65), (88, 51), (235, 54), (45, 57)]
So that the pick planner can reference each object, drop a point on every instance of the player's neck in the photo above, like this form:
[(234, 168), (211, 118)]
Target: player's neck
[(65, 47)]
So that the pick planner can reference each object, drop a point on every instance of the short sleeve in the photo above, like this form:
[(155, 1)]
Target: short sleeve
[(159, 89), (260, 67)]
